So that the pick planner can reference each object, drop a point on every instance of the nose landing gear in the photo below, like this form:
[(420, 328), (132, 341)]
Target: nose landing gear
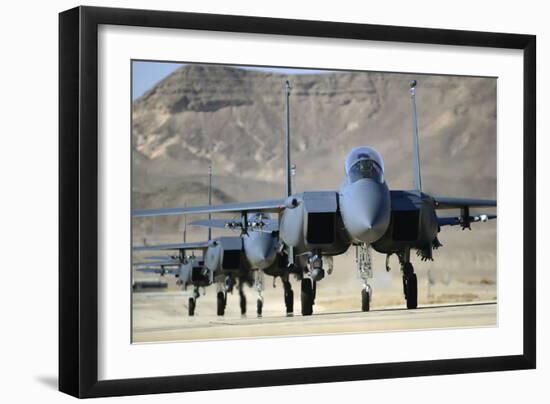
[(364, 271), (365, 298), (259, 285)]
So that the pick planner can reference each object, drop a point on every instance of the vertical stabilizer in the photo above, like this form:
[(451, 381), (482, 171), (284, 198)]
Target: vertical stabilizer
[(417, 181), (209, 200)]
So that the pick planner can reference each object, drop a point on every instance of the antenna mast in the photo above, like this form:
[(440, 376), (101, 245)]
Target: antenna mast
[(288, 169), (417, 182), (209, 200), (185, 225), (287, 140)]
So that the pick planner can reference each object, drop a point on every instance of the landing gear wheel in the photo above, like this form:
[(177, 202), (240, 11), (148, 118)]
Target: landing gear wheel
[(242, 302), (221, 303), (289, 299), (410, 286), (365, 300), (259, 307), (307, 297), (191, 306)]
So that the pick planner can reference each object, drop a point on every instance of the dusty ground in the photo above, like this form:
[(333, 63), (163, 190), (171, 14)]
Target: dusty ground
[(468, 300)]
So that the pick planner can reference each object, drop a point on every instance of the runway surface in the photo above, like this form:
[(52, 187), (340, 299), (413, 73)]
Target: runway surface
[(152, 314)]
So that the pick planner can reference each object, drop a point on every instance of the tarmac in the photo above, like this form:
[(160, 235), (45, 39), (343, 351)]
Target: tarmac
[(162, 316)]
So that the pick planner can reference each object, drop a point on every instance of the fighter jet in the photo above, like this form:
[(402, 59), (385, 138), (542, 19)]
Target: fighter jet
[(188, 269), (227, 260), (365, 213), (244, 258), (262, 250)]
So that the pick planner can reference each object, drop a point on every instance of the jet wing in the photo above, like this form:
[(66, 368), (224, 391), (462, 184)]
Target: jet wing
[(458, 220), (441, 202), (273, 206), (216, 223), (199, 245), (159, 257), (156, 270), (155, 263), (266, 226)]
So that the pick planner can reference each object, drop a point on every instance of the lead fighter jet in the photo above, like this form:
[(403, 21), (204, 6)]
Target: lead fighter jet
[(365, 213)]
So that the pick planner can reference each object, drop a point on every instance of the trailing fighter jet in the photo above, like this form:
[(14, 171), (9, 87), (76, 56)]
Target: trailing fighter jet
[(365, 213), (188, 269), (244, 258)]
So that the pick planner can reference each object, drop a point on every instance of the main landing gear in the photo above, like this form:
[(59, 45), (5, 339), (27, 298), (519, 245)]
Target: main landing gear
[(242, 298), (364, 272), (289, 296), (221, 295), (308, 296), (192, 304), (410, 284)]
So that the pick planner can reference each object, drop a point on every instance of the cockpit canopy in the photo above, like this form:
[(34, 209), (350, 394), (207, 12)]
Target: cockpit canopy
[(364, 162)]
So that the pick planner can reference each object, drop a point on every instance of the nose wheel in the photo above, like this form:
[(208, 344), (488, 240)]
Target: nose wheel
[(363, 258), (259, 285), (366, 294), (259, 306), (410, 286)]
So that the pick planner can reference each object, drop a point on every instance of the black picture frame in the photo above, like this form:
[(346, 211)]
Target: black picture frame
[(78, 200)]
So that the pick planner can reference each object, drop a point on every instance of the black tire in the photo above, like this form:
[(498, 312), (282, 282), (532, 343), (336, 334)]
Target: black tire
[(289, 298), (259, 307), (412, 291), (221, 303), (191, 306), (307, 297), (408, 270), (289, 302), (365, 300), (242, 301)]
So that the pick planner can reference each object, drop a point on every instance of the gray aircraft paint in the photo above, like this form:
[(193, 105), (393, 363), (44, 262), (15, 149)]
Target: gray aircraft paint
[(365, 222)]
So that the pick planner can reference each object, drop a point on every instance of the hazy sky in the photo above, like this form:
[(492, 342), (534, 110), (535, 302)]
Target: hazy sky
[(146, 74)]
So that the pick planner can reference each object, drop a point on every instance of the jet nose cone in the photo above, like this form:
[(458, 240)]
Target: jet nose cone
[(366, 210), (260, 250), (371, 226)]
